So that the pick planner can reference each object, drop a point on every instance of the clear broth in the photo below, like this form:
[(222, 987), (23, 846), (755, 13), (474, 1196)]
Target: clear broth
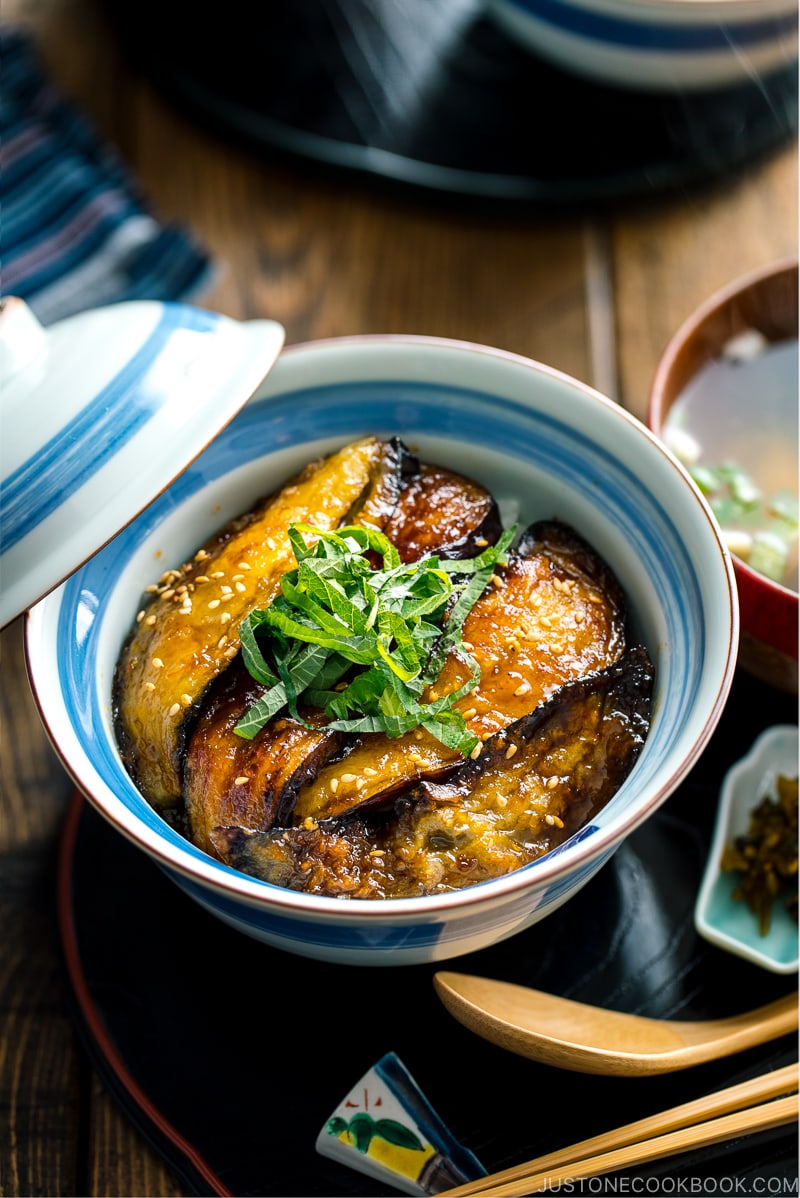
[(735, 426)]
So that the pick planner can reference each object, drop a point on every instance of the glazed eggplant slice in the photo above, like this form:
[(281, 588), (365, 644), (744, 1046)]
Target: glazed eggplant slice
[(248, 783), (552, 616), (443, 513), (253, 783), (188, 632), (340, 858), (534, 784)]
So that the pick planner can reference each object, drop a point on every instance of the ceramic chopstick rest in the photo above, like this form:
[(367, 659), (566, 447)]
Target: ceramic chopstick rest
[(386, 1128)]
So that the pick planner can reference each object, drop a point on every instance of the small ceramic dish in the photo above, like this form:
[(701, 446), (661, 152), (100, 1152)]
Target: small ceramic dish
[(719, 918)]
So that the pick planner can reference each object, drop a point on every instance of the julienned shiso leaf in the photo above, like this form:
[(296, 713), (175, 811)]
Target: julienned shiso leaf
[(362, 642)]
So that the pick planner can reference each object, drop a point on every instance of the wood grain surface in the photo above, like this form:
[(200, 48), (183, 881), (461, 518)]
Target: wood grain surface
[(597, 298)]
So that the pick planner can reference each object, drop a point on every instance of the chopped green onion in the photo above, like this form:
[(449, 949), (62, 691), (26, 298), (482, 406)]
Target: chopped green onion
[(362, 642), (706, 478), (768, 555), (740, 485)]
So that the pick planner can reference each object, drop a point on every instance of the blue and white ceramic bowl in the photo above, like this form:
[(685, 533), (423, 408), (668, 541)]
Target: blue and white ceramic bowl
[(547, 446), (657, 45)]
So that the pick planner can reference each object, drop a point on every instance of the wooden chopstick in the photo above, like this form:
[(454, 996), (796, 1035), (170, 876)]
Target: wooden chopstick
[(718, 1116)]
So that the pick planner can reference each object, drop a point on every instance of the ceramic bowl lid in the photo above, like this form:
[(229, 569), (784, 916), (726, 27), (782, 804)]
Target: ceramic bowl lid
[(98, 414)]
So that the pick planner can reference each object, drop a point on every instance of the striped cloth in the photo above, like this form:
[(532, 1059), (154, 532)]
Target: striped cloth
[(76, 231)]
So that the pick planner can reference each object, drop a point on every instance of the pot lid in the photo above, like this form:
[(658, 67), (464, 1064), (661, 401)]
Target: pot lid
[(98, 414)]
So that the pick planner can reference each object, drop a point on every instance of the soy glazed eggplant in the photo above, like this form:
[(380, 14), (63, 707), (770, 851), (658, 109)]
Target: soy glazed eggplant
[(355, 803), (188, 631)]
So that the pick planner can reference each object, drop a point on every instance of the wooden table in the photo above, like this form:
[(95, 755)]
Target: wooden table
[(597, 297)]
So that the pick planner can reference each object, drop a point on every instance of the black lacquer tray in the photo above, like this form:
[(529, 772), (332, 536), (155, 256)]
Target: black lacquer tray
[(230, 1055), (433, 96)]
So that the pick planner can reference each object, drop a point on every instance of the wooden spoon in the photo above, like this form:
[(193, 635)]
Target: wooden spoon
[(586, 1039)]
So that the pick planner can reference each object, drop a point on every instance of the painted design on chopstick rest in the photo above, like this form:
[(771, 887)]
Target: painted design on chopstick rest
[(386, 1128)]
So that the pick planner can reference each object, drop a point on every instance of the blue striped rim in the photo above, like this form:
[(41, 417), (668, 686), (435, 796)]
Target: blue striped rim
[(99, 431), (549, 444), (658, 35)]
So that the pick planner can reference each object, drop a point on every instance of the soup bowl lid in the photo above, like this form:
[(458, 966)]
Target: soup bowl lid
[(98, 414)]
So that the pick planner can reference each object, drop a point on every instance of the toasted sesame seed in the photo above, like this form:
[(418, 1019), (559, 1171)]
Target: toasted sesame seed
[(150, 621), (580, 616), (510, 751), (305, 866), (309, 823), (348, 777), (377, 852), (334, 784), (217, 573), (201, 578), (360, 784), (240, 587), (231, 651), (476, 752), (214, 603), (201, 555), (226, 617), (242, 565), (497, 582), (559, 823), (168, 592), (547, 621), (151, 590), (158, 663), (467, 645), (470, 713), (240, 781), (552, 782), (433, 696), (271, 543), (139, 617), (523, 689), (481, 542), (174, 709), (222, 642), (186, 700), (501, 801), (369, 771), (226, 590), (549, 819), (149, 686)]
